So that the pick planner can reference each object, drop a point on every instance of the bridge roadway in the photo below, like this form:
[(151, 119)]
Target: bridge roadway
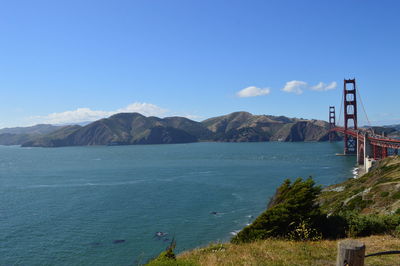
[(374, 139), (369, 147)]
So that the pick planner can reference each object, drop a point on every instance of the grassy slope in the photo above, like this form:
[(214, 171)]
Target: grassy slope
[(281, 252), (375, 192)]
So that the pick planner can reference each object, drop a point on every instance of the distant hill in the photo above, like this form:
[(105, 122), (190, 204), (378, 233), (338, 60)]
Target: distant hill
[(243, 126), (123, 129), (19, 135), (37, 129), (134, 128), (14, 139), (396, 132), (396, 127), (389, 131)]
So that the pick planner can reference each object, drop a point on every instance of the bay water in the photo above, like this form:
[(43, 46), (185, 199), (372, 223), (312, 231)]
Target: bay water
[(104, 205)]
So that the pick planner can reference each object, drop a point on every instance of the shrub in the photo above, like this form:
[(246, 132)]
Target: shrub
[(333, 226), (166, 257), (292, 204), (358, 190), (384, 194), (396, 195), (358, 204), (365, 225), (304, 231), (397, 231)]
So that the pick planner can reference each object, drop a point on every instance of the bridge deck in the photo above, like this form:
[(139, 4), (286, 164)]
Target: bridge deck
[(376, 140)]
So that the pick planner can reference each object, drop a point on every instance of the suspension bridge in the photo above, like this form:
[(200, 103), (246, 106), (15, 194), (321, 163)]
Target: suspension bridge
[(362, 142)]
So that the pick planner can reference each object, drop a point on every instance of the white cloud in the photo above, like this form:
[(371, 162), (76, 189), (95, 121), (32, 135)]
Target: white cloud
[(253, 91), (324, 87), (193, 117), (87, 114), (146, 109), (295, 86)]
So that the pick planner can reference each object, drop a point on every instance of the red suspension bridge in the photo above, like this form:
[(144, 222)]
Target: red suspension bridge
[(362, 142)]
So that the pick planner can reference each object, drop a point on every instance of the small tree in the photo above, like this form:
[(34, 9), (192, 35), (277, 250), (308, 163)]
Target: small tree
[(292, 204)]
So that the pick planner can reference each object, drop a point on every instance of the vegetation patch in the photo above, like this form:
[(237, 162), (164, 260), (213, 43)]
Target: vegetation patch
[(379, 199), (384, 180), (358, 204), (366, 225), (168, 258), (294, 214), (396, 195), (384, 194), (358, 190)]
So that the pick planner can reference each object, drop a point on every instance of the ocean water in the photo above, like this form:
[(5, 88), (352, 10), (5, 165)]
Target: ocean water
[(104, 205)]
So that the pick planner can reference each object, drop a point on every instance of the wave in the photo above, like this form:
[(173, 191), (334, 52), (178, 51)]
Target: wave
[(85, 184), (354, 171), (237, 196), (235, 232)]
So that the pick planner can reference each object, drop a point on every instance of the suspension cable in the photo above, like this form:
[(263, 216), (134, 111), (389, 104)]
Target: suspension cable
[(362, 104), (341, 105)]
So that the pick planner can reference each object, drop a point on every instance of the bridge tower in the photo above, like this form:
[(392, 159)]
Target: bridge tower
[(332, 122), (350, 115)]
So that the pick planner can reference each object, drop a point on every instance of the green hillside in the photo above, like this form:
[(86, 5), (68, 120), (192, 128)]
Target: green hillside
[(377, 192)]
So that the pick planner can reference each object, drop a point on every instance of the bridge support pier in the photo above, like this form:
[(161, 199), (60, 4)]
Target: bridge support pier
[(360, 151), (368, 153)]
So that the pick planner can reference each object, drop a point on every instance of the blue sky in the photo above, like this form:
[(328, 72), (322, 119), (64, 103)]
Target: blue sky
[(71, 61)]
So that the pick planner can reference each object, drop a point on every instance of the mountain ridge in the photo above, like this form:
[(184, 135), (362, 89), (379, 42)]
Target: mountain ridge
[(135, 128)]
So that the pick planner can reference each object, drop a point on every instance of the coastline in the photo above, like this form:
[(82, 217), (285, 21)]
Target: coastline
[(374, 197), (357, 171)]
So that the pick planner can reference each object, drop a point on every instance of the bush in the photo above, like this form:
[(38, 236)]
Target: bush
[(384, 194), (358, 204), (333, 226), (396, 195), (365, 225), (304, 232), (293, 204), (358, 190), (166, 257)]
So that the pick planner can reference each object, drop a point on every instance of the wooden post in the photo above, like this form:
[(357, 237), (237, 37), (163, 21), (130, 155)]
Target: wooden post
[(350, 253)]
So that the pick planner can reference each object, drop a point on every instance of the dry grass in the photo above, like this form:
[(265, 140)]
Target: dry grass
[(281, 252)]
